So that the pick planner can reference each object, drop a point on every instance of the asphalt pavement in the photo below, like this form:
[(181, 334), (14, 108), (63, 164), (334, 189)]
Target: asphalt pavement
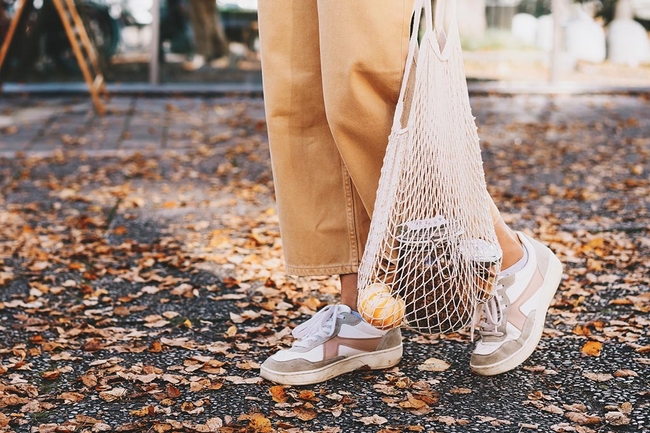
[(141, 249)]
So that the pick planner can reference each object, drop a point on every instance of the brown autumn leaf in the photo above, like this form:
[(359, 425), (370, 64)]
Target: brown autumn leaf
[(89, 380), (626, 408), (14, 400), (155, 347), (598, 377), (137, 426), (592, 348), (85, 419), (553, 409), (172, 391), (534, 368), (307, 395), (621, 301), (51, 375), (617, 418), (145, 411), (93, 344), (625, 373), (162, 427), (582, 419), (157, 323), (278, 394), (113, 394), (460, 391), (32, 406), (373, 420), (213, 368), (189, 407), (576, 407), (120, 230), (412, 403), (305, 413), (447, 420), (214, 424), (5, 278), (121, 311), (71, 396), (248, 365)]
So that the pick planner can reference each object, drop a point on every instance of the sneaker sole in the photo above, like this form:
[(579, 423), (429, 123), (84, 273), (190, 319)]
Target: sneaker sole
[(374, 360), (551, 283)]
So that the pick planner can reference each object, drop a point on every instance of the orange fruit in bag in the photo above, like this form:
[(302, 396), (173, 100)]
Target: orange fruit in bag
[(379, 308)]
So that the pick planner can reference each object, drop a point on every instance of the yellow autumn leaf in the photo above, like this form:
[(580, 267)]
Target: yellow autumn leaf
[(278, 394), (307, 394), (258, 422), (592, 348), (145, 411)]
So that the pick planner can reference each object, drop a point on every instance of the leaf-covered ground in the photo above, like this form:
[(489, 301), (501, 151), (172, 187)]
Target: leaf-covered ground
[(140, 292)]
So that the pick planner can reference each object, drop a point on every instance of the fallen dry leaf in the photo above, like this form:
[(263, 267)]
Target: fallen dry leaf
[(598, 377), (625, 373), (460, 391), (617, 418), (51, 375), (258, 422), (434, 364), (278, 394), (304, 413), (582, 419), (592, 348), (113, 394), (373, 420)]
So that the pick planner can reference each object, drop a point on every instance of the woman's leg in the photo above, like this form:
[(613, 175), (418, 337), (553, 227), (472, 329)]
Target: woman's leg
[(321, 129), (508, 240), (313, 190)]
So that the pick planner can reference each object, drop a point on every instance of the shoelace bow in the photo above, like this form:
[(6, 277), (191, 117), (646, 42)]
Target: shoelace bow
[(320, 325)]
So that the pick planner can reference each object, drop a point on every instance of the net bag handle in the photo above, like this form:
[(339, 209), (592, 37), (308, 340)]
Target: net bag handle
[(414, 43), (444, 28), (445, 15)]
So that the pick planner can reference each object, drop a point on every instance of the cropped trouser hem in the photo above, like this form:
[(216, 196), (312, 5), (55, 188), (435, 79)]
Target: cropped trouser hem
[(342, 269)]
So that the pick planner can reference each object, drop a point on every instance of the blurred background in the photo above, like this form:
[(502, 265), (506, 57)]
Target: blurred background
[(602, 42)]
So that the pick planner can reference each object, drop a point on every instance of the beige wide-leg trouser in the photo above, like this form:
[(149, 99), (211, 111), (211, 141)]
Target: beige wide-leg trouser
[(332, 71)]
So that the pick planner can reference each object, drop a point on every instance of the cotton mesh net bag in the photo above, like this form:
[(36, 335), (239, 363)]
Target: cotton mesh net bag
[(432, 254)]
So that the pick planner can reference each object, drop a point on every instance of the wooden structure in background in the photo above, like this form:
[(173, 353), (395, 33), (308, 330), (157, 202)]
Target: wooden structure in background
[(83, 48)]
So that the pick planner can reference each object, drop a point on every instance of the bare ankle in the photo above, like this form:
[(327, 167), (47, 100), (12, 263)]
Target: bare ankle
[(349, 291)]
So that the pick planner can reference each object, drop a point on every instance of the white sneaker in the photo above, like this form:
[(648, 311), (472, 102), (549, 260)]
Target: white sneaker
[(334, 341), (513, 320)]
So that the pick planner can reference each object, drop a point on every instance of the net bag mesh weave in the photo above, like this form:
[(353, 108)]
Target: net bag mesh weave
[(432, 253)]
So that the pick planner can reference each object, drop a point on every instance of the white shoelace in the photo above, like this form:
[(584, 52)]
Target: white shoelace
[(492, 315), (321, 325)]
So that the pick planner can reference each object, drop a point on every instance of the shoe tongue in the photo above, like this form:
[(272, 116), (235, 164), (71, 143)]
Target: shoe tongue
[(344, 309), (331, 322)]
